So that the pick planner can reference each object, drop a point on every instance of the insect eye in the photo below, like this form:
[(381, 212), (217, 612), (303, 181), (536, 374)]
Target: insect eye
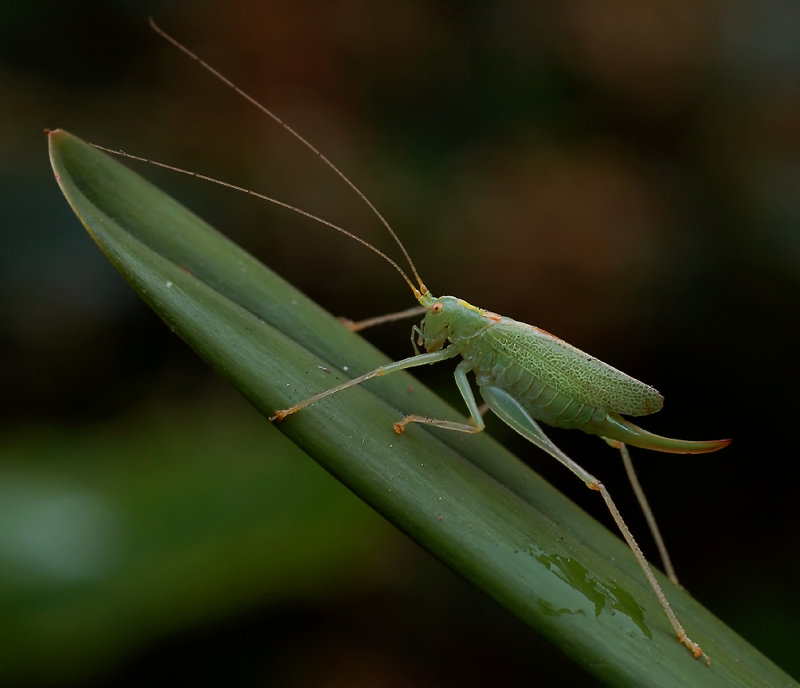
[(437, 308)]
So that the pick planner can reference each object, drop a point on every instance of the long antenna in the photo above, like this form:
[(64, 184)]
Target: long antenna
[(263, 197), (303, 141)]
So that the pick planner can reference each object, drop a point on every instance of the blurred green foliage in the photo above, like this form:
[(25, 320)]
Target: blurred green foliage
[(153, 524)]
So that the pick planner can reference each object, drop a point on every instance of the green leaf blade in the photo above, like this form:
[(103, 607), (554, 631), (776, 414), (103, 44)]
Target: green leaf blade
[(465, 499)]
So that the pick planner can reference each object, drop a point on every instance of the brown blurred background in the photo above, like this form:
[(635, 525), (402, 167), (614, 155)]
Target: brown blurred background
[(623, 174)]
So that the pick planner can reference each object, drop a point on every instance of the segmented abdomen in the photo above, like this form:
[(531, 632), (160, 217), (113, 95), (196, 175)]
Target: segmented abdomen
[(557, 383), (541, 400)]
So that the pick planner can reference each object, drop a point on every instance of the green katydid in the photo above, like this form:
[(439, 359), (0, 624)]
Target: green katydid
[(523, 373)]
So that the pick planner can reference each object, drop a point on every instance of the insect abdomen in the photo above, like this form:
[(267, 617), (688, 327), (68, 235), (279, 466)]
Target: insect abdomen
[(542, 400), (558, 383)]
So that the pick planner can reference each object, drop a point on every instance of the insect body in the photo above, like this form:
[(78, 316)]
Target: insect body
[(552, 380), (523, 373), (544, 376)]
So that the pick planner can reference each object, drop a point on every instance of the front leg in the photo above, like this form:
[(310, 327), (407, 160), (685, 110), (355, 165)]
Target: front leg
[(381, 319), (476, 420), (410, 362)]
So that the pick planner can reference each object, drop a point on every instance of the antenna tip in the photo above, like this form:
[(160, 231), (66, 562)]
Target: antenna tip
[(155, 26)]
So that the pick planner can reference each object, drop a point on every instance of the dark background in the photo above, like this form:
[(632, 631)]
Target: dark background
[(622, 174)]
